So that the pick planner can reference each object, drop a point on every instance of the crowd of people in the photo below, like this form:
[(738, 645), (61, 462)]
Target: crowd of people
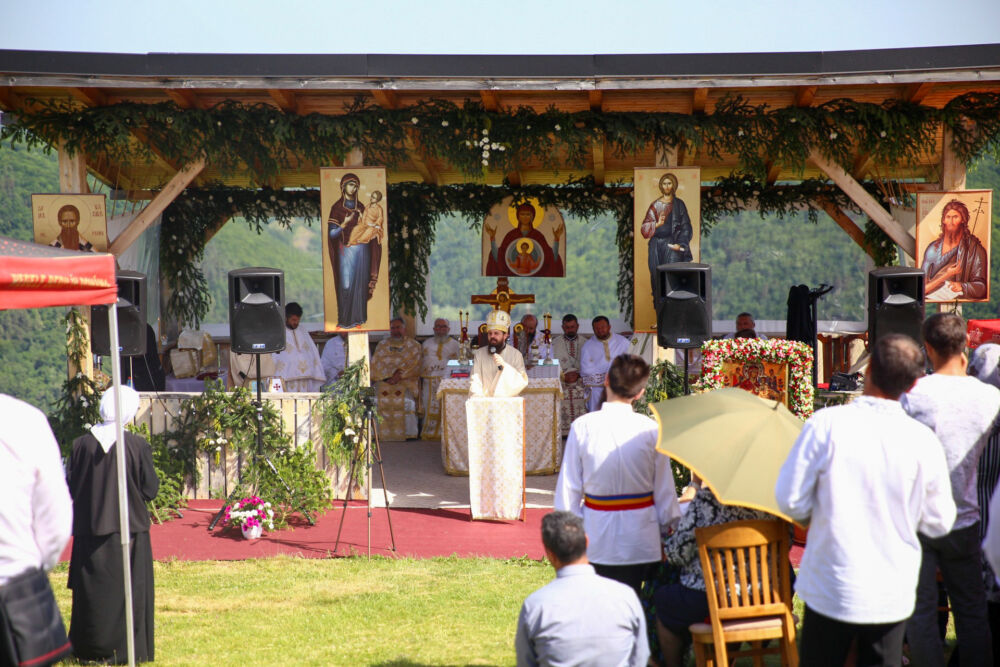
[(895, 488)]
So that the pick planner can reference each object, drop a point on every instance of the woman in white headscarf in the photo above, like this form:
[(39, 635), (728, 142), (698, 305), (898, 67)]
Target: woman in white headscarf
[(97, 626)]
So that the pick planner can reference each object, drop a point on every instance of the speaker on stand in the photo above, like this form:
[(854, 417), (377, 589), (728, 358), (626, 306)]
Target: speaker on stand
[(895, 302), (257, 310), (131, 315), (684, 318)]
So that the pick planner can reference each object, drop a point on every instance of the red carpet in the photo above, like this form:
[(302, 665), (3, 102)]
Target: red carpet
[(420, 533)]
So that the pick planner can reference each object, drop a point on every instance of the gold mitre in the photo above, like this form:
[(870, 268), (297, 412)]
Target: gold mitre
[(498, 320)]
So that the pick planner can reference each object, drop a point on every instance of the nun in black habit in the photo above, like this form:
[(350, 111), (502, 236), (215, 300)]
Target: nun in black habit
[(97, 625)]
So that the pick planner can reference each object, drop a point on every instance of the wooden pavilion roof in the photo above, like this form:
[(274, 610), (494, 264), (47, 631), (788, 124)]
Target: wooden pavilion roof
[(328, 84)]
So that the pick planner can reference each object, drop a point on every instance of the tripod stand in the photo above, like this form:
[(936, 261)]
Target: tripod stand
[(371, 436), (258, 454)]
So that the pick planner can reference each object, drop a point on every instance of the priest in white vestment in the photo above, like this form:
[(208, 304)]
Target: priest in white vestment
[(334, 359), (437, 350), (395, 371), (596, 357), (528, 336), (497, 369), (298, 365), (568, 350)]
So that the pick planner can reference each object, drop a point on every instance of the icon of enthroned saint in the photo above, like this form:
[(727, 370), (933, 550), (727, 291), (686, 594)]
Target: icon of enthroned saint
[(534, 245)]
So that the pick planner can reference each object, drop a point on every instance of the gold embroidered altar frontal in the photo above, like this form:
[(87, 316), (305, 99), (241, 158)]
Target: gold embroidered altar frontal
[(543, 439), (496, 457)]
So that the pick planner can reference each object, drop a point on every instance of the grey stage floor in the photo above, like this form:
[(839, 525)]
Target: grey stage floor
[(415, 477)]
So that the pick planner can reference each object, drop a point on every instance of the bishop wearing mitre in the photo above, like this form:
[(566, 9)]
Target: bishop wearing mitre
[(497, 369)]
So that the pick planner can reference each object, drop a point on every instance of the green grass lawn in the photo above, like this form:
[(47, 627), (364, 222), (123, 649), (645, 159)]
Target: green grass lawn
[(345, 611)]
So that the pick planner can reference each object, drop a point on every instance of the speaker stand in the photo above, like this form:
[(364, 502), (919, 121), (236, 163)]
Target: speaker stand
[(687, 389), (814, 295), (259, 453)]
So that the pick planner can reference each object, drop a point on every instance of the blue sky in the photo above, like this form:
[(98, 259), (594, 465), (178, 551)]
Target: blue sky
[(504, 27)]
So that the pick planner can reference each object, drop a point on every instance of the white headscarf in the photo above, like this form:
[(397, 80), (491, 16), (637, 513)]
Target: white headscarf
[(105, 431)]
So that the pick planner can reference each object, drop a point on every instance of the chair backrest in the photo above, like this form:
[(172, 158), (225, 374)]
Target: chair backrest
[(745, 565)]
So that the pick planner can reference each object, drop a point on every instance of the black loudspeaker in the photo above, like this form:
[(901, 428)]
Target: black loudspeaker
[(257, 310), (131, 318), (684, 318), (895, 302)]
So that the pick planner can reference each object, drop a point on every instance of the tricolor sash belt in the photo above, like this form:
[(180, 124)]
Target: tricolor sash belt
[(628, 501)]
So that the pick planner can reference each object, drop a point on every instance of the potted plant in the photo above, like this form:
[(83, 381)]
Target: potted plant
[(251, 515)]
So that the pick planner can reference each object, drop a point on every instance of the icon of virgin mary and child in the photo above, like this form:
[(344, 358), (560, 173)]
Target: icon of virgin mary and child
[(354, 236)]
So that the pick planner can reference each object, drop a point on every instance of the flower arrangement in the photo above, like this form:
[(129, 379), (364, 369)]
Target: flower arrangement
[(249, 514), (797, 355)]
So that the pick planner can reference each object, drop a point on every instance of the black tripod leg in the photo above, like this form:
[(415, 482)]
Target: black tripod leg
[(347, 497), (385, 490), (222, 511)]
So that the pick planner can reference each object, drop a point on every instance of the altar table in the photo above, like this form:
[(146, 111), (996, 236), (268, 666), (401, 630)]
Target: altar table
[(496, 458), (543, 438)]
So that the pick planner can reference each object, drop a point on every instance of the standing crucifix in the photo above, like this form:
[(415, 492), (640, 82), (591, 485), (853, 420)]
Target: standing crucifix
[(502, 298)]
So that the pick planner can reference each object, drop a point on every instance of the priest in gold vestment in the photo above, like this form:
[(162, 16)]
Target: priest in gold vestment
[(395, 372), (568, 350), (437, 350), (498, 368)]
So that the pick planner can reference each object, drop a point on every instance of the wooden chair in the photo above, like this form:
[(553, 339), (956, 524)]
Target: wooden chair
[(746, 570)]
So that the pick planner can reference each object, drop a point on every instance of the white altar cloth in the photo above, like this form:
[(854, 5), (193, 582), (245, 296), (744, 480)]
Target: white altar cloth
[(496, 458)]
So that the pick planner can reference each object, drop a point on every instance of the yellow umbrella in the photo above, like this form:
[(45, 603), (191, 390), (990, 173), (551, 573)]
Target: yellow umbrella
[(735, 441)]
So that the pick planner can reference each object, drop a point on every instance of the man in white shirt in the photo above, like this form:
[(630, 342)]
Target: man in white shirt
[(334, 359), (613, 477), (580, 618), (298, 365), (497, 368), (37, 515), (567, 349), (961, 410), (746, 325), (596, 357), (866, 478), (436, 351)]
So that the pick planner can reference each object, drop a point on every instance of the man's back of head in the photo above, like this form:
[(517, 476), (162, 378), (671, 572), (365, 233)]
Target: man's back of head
[(564, 538), (896, 363), (945, 334)]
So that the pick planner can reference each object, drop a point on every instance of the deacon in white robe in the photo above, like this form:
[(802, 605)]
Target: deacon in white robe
[(334, 359), (596, 357), (499, 372), (568, 350), (615, 480), (298, 365), (437, 350)]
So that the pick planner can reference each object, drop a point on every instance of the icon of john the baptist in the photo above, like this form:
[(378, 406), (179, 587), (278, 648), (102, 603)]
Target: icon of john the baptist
[(956, 260), (354, 255)]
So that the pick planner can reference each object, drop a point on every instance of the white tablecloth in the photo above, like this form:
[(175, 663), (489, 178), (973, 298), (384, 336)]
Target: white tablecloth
[(546, 370), (496, 457), (543, 443)]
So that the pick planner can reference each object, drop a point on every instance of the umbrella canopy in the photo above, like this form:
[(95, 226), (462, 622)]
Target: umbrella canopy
[(38, 276), (735, 441)]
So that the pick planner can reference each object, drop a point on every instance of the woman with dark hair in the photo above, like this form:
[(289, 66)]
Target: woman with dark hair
[(956, 259), (97, 624), (355, 263)]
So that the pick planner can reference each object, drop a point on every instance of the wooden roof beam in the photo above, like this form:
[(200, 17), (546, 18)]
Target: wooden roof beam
[(916, 92), (182, 97), (598, 151), (387, 99), (490, 99), (866, 202), (699, 97), (11, 101), (844, 222), (862, 165), (149, 214), (596, 98), (514, 178), (804, 95), (91, 97), (773, 171), (285, 99)]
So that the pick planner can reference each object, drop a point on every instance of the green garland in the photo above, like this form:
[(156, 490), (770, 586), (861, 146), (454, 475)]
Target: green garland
[(263, 141)]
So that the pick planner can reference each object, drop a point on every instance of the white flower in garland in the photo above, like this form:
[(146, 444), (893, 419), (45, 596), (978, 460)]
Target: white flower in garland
[(557, 127), (414, 120), (404, 232), (485, 131), (882, 134), (444, 123), (406, 285), (833, 135)]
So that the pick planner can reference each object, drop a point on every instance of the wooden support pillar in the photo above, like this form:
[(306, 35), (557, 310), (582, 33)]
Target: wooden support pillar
[(952, 168), (357, 342), (73, 178), (866, 202)]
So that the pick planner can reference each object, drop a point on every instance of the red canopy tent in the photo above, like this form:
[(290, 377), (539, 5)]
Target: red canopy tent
[(39, 276)]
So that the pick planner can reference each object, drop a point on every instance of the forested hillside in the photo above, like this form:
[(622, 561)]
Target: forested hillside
[(754, 262), (32, 342)]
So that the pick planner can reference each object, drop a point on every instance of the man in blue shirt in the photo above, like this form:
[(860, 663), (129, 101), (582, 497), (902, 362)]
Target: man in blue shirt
[(579, 618)]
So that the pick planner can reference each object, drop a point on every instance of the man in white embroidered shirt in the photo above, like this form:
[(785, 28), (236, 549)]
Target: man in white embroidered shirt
[(615, 480), (867, 478), (580, 618)]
